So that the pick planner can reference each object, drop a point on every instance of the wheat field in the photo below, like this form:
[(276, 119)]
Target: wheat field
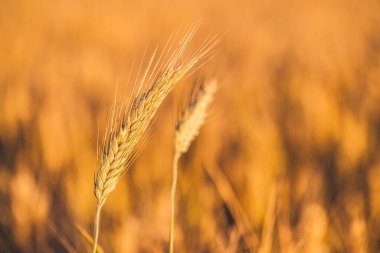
[(287, 159)]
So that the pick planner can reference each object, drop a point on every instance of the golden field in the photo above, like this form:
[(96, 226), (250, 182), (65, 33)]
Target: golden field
[(288, 159)]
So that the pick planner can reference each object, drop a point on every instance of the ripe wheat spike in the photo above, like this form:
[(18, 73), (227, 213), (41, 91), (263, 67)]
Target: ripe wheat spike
[(187, 128), (193, 117), (128, 123)]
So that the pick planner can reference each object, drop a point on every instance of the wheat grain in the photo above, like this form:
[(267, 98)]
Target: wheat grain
[(129, 123)]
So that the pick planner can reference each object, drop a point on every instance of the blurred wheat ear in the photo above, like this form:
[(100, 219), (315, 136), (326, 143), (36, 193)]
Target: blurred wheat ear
[(187, 129), (128, 123)]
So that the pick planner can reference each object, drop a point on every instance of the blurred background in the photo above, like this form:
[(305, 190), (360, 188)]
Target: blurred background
[(288, 161)]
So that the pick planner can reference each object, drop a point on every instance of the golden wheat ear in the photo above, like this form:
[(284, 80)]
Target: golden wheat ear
[(193, 116), (129, 122), (186, 130)]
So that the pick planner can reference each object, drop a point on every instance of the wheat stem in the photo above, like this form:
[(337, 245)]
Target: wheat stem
[(176, 157), (96, 227)]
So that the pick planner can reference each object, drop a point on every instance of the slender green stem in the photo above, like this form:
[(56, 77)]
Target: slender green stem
[(172, 200), (96, 227)]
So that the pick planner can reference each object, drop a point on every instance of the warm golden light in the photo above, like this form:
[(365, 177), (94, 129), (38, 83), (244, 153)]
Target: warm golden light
[(287, 159)]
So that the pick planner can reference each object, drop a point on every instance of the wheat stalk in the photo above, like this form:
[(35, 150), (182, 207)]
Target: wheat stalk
[(187, 129), (128, 124)]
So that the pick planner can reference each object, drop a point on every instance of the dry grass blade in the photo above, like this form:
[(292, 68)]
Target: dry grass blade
[(269, 223), (88, 237), (229, 197), (128, 123), (187, 129), (63, 241), (233, 241)]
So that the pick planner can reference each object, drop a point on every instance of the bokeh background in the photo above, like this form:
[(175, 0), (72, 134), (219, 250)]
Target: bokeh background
[(288, 161)]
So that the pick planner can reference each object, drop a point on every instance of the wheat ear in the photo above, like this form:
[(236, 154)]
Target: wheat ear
[(129, 123), (187, 128)]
